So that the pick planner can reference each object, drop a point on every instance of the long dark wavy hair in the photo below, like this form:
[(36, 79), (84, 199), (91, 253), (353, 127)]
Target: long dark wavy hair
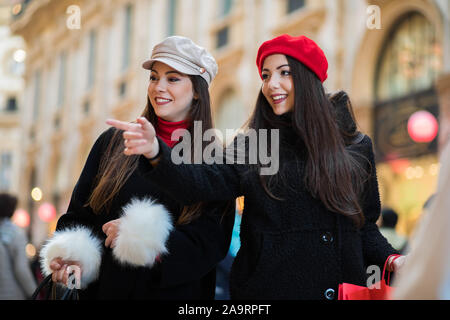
[(116, 168), (332, 174)]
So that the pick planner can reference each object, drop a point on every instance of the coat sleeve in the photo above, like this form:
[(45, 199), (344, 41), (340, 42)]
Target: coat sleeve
[(193, 183), (75, 237), (196, 248), (376, 248)]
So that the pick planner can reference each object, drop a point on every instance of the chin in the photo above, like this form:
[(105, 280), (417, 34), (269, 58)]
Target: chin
[(166, 116), (279, 110), (160, 114)]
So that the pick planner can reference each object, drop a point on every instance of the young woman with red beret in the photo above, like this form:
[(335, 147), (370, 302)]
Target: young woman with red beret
[(310, 226), (130, 238)]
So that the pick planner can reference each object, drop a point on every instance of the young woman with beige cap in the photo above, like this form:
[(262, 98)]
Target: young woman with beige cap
[(131, 239), (310, 226)]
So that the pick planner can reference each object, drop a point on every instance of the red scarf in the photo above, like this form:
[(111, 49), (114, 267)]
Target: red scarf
[(165, 128)]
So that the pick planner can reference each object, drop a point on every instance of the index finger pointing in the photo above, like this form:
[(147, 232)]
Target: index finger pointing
[(122, 125)]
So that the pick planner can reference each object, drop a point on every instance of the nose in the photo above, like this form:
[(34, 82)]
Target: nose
[(274, 82), (159, 86)]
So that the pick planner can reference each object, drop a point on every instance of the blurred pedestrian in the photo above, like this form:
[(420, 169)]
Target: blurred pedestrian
[(16, 279), (389, 219), (311, 225), (426, 273), (131, 238)]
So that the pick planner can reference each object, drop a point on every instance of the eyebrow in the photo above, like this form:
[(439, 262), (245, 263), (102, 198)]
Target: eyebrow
[(168, 72), (283, 65)]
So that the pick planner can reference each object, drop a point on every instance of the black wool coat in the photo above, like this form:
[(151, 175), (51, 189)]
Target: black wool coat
[(187, 271), (290, 249)]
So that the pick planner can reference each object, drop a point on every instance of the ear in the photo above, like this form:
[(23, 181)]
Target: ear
[(195, 96)]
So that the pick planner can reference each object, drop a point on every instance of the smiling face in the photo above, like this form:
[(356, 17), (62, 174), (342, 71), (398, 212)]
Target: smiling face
[(170, 92), (278, 87)]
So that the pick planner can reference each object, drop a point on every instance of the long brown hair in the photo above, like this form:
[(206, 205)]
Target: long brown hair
[(332, 174), (115, 168)]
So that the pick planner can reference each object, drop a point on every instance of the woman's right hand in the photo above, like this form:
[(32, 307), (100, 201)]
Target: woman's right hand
[(140, 137), (62, 269)]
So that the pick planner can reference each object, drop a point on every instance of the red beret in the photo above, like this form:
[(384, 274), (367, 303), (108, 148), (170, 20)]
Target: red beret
[(301, 48)]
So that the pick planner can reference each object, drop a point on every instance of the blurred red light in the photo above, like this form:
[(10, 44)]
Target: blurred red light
[(422, 126), (47, 212), (21, 218)]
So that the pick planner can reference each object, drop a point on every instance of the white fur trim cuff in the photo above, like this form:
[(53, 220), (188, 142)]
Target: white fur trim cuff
[(75, 244), (143, 231)]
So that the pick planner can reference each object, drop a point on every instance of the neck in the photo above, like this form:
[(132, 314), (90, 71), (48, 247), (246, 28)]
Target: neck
[(164, 130)]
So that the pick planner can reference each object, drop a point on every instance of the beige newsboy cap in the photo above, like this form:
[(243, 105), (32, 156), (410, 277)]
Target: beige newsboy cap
[(185, 56)]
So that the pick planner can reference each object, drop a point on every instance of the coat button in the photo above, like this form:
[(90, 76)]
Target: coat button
[(329, 294), (327, 237)]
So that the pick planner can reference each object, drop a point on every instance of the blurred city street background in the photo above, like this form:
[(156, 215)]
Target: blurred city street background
[(68, 65)]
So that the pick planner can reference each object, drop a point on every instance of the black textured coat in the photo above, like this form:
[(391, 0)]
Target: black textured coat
[(291, 249), (187, 272)]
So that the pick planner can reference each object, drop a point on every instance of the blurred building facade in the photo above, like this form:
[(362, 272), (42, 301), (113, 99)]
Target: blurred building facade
[(84, 61), (12, 85)]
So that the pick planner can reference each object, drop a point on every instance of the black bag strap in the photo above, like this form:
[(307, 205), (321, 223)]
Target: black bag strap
[(41, 286), (68, 294)]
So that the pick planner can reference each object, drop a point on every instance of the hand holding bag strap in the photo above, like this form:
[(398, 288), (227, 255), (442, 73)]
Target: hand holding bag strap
[(69, 294), (396, 256)]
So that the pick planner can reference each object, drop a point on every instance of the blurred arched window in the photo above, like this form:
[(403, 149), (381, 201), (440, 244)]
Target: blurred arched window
[(410, 59)]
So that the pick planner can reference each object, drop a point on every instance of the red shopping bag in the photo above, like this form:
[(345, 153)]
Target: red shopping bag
[(378, 291)]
